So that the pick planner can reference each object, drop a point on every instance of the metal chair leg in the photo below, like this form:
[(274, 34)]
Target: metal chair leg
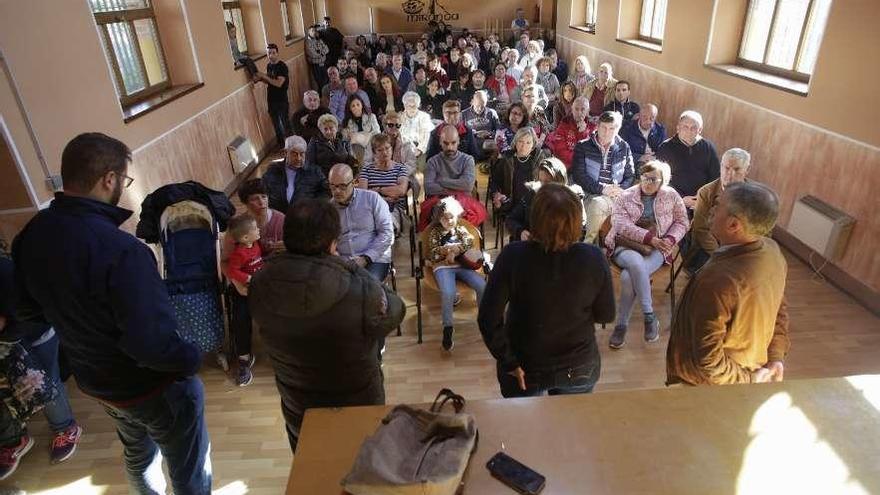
[(419, 275)]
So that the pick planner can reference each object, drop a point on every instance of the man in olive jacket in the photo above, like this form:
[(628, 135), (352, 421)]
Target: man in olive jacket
[(732, 324), (321, 317)]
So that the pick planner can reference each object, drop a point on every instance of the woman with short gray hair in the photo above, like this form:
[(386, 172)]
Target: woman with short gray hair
[(514, 168), (415, 125)]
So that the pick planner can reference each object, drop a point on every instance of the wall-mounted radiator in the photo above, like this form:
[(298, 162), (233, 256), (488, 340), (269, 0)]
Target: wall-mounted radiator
[(241, 154), (822, 227)]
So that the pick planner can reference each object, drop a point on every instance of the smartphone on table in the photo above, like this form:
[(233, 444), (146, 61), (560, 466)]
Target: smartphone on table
[(515, 474)]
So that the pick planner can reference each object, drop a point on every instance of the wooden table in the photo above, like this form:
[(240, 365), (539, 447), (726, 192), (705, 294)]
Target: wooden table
[(807, 436)]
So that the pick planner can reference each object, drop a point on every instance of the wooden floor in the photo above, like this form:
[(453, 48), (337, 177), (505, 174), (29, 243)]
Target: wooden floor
[(831, 336)]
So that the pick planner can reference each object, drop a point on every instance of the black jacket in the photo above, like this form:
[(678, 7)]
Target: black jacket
[(321, 318), (552, 301), (509, 175), (156, 202), (692, 166), (309, 183), (310, 129), (100, 288), (467, 142), (324, 154)]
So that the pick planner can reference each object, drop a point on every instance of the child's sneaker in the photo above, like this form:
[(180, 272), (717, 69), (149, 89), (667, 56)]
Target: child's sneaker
[(64, 444), (10, 456), (245, 375)]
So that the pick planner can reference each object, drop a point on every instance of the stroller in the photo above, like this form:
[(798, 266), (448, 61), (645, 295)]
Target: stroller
[(186, 219)]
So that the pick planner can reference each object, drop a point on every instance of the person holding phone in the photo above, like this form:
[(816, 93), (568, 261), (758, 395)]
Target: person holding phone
[(541, 303)]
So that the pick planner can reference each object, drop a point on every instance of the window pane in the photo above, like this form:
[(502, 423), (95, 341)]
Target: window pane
[(234, 16), (151, 53), (122, 43), (758, 20), (114, 5), (815, 30), (647, 16), (591, 12), (285, 19), (659, 19), (787, 33)]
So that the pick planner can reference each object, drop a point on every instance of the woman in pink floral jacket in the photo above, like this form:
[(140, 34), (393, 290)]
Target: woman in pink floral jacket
[(647, 222)]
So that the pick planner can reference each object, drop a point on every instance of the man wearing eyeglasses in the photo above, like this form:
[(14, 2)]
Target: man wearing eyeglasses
[(367, 228), (100, 289), (467, 141)]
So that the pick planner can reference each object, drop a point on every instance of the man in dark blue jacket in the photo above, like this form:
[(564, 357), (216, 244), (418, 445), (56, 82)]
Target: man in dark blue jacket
[(644, 135), (100, 288), (290, 181), (603, 166)]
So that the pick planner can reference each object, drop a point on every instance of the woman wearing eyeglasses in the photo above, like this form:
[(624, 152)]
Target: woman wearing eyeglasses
[(647, 222)]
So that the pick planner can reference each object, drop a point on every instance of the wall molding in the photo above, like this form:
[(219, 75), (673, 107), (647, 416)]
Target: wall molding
[(19, 165), (837, 135)]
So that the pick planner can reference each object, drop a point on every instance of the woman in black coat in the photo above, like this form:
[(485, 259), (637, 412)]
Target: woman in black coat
[(544, 296)]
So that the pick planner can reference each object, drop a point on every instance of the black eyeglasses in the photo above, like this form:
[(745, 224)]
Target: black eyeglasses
[(391, 124), (128, 180), (651, 180), (341, 187)]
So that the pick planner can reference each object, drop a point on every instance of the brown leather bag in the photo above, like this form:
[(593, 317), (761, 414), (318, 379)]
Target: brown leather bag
[(639, 247)]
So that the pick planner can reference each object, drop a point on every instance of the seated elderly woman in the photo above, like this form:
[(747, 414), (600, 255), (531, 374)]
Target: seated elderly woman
[(517, 118), (415, 125), (448, 240), (539, 350), (359, 126), (329, 148), (647, 222), (551, 170), (386, 177), (514, 168)]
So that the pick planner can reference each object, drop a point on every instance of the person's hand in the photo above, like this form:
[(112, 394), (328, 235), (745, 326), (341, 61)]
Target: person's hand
[(360, 261), (304, 119), (664, 245), (362, 183), (690, 201), (762, 375), (646, 157), (520, 376), (582, 126), (777, 370), (525, 235), (497, 199), (611, 190)]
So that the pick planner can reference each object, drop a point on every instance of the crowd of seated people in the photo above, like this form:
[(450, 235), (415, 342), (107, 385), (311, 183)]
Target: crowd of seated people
[(585, 177)]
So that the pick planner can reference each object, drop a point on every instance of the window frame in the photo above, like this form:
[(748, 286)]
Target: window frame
[(591, 26), (651, 39), (129, 16), (240, 33), (285, 16), (763, 66)]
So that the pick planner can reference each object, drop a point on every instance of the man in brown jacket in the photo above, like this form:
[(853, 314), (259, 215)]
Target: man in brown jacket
[(732, 325), (734, 168)]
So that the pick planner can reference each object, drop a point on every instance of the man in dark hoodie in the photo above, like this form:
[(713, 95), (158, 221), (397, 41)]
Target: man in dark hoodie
[(100, 289), (321, 317)]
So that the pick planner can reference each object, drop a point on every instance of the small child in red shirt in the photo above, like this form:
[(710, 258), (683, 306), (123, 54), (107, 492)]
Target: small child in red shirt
[(244, 260)]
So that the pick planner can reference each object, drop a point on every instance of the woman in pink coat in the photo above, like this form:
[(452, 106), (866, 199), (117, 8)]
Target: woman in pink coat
[(647, 222)]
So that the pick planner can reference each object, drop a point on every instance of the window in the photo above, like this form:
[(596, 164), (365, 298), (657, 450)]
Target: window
[(592, 7), (285, 20), (292, 19), (237, 38), (782, 37), (131, 39), (652, 21)]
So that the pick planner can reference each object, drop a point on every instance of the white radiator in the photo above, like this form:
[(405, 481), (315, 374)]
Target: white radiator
[(822, 227), (241, 154)]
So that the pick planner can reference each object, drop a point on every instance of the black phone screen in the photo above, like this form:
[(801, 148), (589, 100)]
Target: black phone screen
[(515, 474)]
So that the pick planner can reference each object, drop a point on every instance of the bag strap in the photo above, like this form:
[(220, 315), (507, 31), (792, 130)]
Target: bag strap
[(446, 394)]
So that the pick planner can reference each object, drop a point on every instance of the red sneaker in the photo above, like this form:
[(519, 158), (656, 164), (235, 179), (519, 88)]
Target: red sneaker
[(64, 444), (10, 456)]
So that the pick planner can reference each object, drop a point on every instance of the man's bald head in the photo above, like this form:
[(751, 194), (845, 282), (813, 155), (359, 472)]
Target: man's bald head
[(340, 171), (341, 181), (449, 140)]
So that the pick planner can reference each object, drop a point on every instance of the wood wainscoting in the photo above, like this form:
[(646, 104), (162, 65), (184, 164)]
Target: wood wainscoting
[(793, 157)]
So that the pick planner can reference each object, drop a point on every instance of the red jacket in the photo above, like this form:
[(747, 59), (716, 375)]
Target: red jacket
[(494, 85), (243, 262), (562, 140)]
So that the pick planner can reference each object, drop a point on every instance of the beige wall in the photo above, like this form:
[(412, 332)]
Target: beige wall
[(824, 144), (353, 16), (54, 53)]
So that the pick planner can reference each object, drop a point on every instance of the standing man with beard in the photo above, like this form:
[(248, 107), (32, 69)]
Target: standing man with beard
[(100, 288), (277, 79)]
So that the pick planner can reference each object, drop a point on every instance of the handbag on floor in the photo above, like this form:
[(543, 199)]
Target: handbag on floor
[(415, 451)]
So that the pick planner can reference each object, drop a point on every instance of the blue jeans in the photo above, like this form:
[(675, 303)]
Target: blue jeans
[(446, 278), (377, 270), (579, 379), (58, 412), (169, 424)]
